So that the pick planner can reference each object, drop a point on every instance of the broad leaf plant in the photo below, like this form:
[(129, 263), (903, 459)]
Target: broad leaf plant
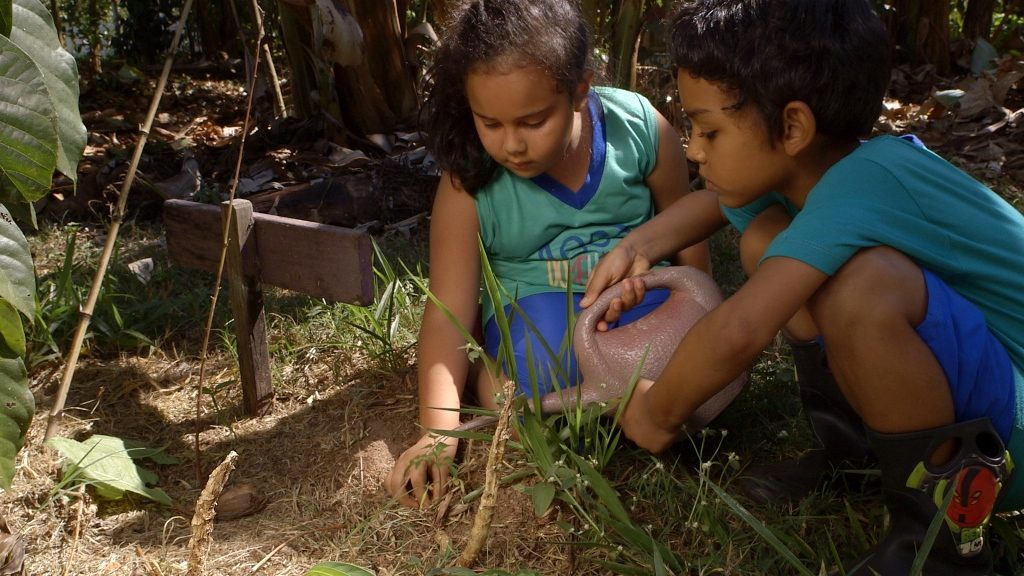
[(41, 132)]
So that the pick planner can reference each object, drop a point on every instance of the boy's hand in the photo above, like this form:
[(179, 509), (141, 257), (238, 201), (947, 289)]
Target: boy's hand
[(420, 475), (639, 426)]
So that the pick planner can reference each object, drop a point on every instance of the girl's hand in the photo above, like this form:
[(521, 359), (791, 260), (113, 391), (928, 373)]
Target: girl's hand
[(420, 476), (639, 426)]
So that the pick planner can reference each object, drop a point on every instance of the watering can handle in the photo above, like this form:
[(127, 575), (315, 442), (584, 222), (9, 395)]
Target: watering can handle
[(687, 279)]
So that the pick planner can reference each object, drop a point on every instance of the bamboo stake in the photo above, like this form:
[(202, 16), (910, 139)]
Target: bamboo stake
[(85, 314), (233, 186), (275, 84)]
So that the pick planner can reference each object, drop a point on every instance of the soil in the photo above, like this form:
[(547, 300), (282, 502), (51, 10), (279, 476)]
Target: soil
[(320, 453)]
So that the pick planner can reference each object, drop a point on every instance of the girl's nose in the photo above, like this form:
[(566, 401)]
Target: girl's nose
[(514, 143)]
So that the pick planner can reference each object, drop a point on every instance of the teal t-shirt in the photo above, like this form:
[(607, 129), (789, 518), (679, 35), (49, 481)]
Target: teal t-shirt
[(542, 237), (892, 192)]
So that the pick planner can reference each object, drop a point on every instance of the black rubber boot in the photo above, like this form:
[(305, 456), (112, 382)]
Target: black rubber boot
[(835, 424), (915, 492)]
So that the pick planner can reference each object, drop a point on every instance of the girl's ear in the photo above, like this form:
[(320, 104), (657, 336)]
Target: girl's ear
[(579, 99), (799, 127)]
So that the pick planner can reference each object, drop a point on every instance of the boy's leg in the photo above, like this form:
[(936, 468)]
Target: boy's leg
[(933, 386), (834, 423)]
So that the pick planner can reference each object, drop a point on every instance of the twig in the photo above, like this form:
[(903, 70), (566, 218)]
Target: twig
[(275, 84), (484, 514), (153, 568), (223, 254), (270, 555), (206, 510), (85, 314), (78, 530)]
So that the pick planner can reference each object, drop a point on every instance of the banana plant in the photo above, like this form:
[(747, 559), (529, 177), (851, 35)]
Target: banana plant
[(41, 132)]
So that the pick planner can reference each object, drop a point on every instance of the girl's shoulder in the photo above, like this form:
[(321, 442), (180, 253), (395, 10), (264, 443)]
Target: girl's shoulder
[(621, 97)]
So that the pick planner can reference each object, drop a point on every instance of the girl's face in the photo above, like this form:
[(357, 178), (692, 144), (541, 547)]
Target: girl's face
[(524, 122), (732, 147)]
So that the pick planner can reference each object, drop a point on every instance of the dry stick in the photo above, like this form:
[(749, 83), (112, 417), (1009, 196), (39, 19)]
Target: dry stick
[(275, 84), (80, 509), (223, 252), (485, 513), (115, 225), (206, 510)]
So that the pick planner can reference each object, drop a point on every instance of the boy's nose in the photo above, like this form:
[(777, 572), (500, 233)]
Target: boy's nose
[(695, 154)]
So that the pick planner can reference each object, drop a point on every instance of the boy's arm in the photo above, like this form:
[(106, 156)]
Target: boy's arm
[(670, 181), (691, 219), (718, 349)]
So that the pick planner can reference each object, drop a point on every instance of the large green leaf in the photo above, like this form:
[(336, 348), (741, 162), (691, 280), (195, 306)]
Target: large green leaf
[(17, 277), (337, 569), (5, 17), (16, 409), (12, 332), (34, 33), (28, 133), (106, 463)]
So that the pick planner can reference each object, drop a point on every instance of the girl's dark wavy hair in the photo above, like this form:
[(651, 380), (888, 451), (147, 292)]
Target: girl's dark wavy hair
[(504, 34), (832, 55)]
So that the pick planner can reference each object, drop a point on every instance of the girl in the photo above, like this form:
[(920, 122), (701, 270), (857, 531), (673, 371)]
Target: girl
[(549, 174)]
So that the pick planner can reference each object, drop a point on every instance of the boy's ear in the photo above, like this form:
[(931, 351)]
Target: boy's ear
[(579, 98), (799, 127)]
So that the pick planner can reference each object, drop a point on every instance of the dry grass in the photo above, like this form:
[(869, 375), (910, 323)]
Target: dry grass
[(320, 456)]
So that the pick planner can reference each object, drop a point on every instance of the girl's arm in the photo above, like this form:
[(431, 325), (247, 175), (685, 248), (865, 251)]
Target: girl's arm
[(670, 181), (421, 472), (455, 282)]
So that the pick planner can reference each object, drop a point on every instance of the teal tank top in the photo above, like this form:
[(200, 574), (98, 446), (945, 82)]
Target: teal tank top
[(540, 236)]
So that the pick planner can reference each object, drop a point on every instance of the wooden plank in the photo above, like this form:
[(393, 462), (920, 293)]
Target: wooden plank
[(247, 307), (320, 260)]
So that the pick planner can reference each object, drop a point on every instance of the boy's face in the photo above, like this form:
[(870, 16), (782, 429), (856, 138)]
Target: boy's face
[(731, 146)]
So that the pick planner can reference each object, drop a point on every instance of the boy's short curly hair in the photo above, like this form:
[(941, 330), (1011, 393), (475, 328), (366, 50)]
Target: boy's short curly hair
[(832, 55)]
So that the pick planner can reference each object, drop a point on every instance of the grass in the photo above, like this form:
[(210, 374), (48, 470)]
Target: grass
[(576, 497)]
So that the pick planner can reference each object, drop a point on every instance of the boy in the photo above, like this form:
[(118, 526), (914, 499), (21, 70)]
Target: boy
[(909, 271)]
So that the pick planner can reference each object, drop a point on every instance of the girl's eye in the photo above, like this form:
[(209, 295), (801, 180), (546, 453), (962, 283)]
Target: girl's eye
[(535, 123), (709, 135)]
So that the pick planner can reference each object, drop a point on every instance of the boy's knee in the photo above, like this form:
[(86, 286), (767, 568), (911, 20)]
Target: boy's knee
[(878, 286)]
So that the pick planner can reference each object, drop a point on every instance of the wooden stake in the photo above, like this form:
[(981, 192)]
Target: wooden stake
[(246, 294), (85, 315)]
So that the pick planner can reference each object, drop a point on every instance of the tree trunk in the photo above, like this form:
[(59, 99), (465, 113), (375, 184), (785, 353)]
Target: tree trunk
[(627, 23), (217, 32), (921, 33), (385, 61), (376, 95), (978, 19)]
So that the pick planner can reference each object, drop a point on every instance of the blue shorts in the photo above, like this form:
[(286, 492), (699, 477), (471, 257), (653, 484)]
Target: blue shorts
[(978, 368), (542, 343)]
